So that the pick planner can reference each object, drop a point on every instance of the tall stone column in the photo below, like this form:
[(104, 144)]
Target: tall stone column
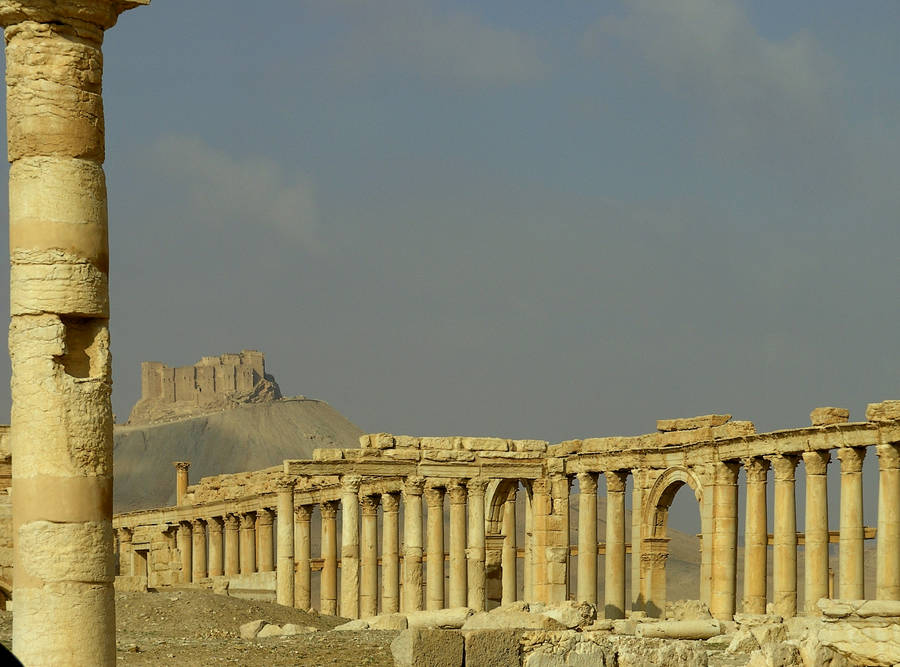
[(199, 557), (248, 542), (528, 560), (756, 536), (558, 567), (232, 545), (328, 588), (350, 546), (707, 529), (637, 502), (302, 575), (62, 422), (390, 553), (458, 591), (284, 572), (784, 553), (125, 552), (185, 547), (508, 555), (475, 550), (724, 542), (412, 544), (587, 537), (368, 588), (265, 540), (216, 554), (817, 538), (851, 569), (887, 574), (615, 544), (182, 469), (434, 577)]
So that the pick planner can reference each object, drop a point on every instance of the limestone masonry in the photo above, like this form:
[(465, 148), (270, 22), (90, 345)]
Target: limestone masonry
[(214, 383)]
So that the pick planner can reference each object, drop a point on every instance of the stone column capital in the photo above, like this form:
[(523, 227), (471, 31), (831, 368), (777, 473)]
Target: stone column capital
[(541, 486), (434, 496), (329, 509), (757, 469), (285, 484), (369, 504), (726, 472), (476, 486), (851, 459), (816, 462), (248, 519), (413, 485), (185, 523), (102, 14), (303, 513), (232, 521), (457, 492), (198, 523), (784, 466), (888, 456), (351, 483), (390, 503), (264, 517), (587, 482), (125, 534), (182, 465), (214, 524), (616, 480)]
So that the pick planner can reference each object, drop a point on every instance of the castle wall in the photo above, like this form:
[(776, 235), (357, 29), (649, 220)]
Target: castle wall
[(205, 382)]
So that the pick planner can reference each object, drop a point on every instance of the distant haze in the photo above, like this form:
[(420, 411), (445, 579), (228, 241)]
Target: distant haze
[(517, 218)]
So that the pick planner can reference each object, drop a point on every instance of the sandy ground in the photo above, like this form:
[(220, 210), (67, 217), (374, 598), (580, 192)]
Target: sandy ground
[(200, 628)]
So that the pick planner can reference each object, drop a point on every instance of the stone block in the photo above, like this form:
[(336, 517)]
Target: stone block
[(492, 648), (327, 454), (564, 448), (743, 641), (441, 443), (734, 429), (382, 441), (691, 423), (352, 626), (510, 620), (571, 614), (443, 455), (388, 622), (289, 629), (825, 416), (252, 628), (838, 608), (885, 608), (485, 444), (403, 454), (453, 618), (694, 629), (884, 411), (422, 647), (406, 441), (530, 445), (131, 584), (269, 630), (769, 633)]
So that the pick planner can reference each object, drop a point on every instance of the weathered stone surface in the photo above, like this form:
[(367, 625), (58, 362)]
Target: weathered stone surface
[(388, 622), (694, 629), (634, 652), (687, 610), (827, 415), (269, 630), (743, 641), (492, 648), (131, 584), (453, 618), (782, 654), (352, 626), (571, 614), (511, 620), (251, 629), (690, 423), (769, 633), (485, 444), (885, 608), (289, 629), (838, 608), (424, 647), (863, 643), (884, 411)]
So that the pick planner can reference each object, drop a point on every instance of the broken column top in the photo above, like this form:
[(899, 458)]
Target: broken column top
[(828, 415)]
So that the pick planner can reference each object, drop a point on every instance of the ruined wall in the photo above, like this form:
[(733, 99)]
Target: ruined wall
[(212, 383)]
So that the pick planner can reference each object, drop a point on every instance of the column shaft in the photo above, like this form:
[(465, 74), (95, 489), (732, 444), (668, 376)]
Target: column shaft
[(350, 546), (265, 560), (412, 538), (615, 544), (637, 501), (816, 538), (284, 571), (784, 553), (302, 573), (724, 547), (186, 547), (232, 545), (587, 537), (458, 591), (216, 553), (852, 565), (887, 573), (528, 564), (756, 537), (248, 543), (199, 556), (475, 551), (434, 579), (508, 555), (328, 584), (368, 587), (390, 553)]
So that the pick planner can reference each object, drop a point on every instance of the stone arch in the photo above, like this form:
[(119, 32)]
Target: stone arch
[(499, 550), (662, 493)]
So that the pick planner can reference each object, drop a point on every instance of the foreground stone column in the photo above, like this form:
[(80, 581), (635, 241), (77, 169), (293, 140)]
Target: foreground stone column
[(784, 553), (756, 537), (198, 570), (216, 554), (508, 555), (724, 547), (284, 572), (61, 420), (302, 575), (265, 542), (558, 567), (434, 578), (185, 547), (248, 543), (458, 591), (125, 554), (475, 550), (615, 544), (328, 586), (587, 537), (528, 559), (182, 469), (817, 538), (390, 553), (654, 555), (232, 545), (412, 538), (368, 588), (887, 585), (637, 501), (706, 535), (350, 546), (851, 568)]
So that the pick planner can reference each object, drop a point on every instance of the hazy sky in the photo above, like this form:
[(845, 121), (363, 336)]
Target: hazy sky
[(512, 218)]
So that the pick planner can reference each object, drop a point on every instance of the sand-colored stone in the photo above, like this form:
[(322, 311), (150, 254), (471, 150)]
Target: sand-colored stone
[(587, 537), (828, 415), (284, 571)]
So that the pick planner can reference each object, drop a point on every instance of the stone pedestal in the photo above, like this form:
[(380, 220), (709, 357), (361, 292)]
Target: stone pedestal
[(615, 544), (390, 553), (851, 569), (756, 537), (328, 588), (350, 546), (302, 574), (457, 493), (784, 554), (887, 584), (284, 572), (817, 537), (198, 569), (412, 536), (587, 537), (475, 551), (248, 543), (368, 589), (265, 561), (434, 534), (724, 542)]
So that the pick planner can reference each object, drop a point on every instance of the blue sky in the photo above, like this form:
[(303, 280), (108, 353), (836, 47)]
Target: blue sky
[(512, 218)]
